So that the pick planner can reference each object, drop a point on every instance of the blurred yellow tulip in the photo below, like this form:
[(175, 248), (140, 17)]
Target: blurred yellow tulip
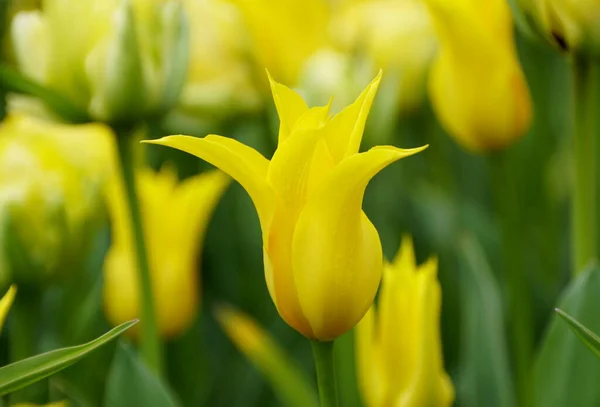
[(118, 59), (322, 255), (55, 404), (220, 77), (397, 35), (174, 217), (51, 181), (571, 25), (398, 347), (285, 33), (477, 87), (6, 303)]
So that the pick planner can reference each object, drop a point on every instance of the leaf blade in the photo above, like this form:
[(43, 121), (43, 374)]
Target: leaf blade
[(25, 372), (589, 339)]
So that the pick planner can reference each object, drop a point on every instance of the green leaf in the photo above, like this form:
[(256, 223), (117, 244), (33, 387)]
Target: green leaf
[(564, 374), (13, 81), (484, 378), (131, 383), (28, 371), (590, 339)]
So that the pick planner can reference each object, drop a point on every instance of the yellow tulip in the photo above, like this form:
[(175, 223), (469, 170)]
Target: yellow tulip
[(219, 76), (399, 352), (55, 404), (6, 303), (285, 33), (397, 35), (174, 217), (571, 25), (117, 59), (322, 255), (477, 87), (51, 182)]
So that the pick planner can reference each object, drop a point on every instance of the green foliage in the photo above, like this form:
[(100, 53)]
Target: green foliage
[(565, 374), (22, 373)]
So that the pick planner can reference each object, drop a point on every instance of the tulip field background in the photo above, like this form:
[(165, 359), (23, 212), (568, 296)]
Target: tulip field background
[(498, 220)]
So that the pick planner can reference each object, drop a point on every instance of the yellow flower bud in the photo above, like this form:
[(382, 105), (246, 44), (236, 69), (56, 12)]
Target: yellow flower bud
[(399, 352), (285, 33), (219, 76), (322, 255), (174, 217), (119, 59), (571, 25), (397, 35), (477, 87), (51, 181)]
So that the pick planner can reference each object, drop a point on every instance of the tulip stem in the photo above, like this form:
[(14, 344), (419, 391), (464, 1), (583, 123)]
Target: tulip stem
[(24, 331), (584, 206), (150, 342), (324, 363)]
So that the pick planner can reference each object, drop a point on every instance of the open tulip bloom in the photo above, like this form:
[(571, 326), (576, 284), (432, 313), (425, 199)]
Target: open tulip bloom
[(322, 255)]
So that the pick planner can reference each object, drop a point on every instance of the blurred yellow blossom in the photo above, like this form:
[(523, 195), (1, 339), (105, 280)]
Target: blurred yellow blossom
[(55, 404), (118, 59), (322, 255), (285, 33), (477, 87), (51, 181), (399, 352), (175, 216), (572, 25), (6, 303), (220, 76), (396, 35)]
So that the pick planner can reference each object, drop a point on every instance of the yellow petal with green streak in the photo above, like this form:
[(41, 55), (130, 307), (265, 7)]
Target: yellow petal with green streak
[(6, 302)]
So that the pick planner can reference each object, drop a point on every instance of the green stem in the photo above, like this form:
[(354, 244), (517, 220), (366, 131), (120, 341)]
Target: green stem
[(150, 341), (584, 206), (24, 332), (324, 363), (513, 244)]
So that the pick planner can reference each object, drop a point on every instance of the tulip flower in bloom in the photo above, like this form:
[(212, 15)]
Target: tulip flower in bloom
[(322, 255), (174, 218), (118, 59), (571, 25), (399, 353), (51, 182), (476, 84)]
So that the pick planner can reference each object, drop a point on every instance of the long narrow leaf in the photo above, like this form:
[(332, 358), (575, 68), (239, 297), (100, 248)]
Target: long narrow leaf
[(590, 339), (30, 370)]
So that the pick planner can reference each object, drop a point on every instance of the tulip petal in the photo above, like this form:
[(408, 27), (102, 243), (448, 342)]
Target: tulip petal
[(336, 291), (345, 130), (6, 302), (290, 106), (244, 164)]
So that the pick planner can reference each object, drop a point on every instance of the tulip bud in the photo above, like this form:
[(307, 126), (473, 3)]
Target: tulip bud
[(51, 180), (121, 60), (174, 218), (397, 36), (398, 347), (6, 303), (280, 36), (477, 87), (322, 255), (220, 77), (570, 25)]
